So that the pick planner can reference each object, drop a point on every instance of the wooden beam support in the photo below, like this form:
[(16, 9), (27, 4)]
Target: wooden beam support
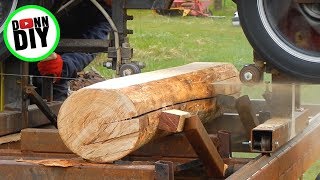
[(173, 120), (203, 146)]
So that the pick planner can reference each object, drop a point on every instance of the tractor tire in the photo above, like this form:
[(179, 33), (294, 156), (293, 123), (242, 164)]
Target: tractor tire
[(7, 7), (285, 35)]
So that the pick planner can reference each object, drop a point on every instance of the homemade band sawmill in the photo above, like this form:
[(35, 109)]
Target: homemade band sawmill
[(178, 123)]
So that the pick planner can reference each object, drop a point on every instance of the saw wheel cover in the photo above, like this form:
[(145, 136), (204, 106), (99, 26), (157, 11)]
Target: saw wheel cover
[(6, 7), (261, 23)]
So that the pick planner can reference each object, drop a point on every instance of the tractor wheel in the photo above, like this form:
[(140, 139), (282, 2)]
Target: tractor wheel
[(7, 7), (285, 33)]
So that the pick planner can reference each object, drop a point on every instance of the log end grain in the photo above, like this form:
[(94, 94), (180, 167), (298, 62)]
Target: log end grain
[(104, 110)]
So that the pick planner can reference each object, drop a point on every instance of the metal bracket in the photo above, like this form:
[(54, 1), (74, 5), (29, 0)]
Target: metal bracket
[(43, 106), (164, 170)]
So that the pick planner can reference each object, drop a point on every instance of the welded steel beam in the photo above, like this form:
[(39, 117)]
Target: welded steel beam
[(177, 145), (247, 115), (271, 135), (204, 148), (288, 162), (83, 45), (11, 169), (10, 121)]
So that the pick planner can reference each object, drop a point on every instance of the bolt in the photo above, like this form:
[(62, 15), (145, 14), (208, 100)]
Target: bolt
[(127, 72), (246, 143), (248, 76), (108, 64)]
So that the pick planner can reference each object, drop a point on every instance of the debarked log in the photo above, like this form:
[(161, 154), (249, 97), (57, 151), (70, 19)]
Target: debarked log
[(107, 121)]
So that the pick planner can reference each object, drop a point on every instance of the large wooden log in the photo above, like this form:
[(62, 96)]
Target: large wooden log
[(108, 120)]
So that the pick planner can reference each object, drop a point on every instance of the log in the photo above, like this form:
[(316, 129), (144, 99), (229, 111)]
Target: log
[(106, 121)]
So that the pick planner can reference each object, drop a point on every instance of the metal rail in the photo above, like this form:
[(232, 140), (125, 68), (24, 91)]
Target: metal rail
[(288, 162)]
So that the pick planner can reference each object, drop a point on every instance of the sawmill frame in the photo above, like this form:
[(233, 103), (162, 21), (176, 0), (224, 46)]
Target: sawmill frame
[(40, 153)]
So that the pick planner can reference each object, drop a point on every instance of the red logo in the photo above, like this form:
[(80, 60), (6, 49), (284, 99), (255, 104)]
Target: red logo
[(26, 23)]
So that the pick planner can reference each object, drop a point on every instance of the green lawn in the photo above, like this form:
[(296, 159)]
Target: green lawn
[(163, 42)]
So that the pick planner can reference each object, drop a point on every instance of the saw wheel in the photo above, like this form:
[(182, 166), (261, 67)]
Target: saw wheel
[(285, 33)]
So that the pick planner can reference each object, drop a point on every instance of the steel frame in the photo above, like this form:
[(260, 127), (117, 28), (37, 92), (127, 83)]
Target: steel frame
[(288, 162), (176, 157)]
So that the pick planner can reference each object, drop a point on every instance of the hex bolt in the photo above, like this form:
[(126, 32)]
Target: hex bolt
[(107, 64), (248, 76), (246, 143)]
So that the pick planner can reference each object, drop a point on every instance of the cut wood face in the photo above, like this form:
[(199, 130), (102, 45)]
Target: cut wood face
[(108, 120), (104, 110)]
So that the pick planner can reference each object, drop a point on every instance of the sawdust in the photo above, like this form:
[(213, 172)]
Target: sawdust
[(86, 79), (53, 162), (10, 138)]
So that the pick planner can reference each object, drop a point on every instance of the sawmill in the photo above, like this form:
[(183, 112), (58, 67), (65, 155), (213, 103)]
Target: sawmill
[(184, 122)]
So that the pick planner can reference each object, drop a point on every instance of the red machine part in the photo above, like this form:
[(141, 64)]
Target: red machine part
[(196, 7), (188, 7)]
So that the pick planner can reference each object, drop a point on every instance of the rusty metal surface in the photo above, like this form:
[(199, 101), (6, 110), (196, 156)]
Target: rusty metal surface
[(230, 122), (82, 171), (276, 132), (270, 135), (11, 121), (42, 105), (164, 170), (25, 101), (176, 145), (42, 140), (224, 146), (290, 161), (12, 145), (13, 154), (247, 115), (47, 89), (203, 146)]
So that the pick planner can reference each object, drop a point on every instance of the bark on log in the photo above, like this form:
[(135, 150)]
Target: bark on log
[(106, 121)]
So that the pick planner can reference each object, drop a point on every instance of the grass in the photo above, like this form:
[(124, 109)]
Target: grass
[(163, 42)]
